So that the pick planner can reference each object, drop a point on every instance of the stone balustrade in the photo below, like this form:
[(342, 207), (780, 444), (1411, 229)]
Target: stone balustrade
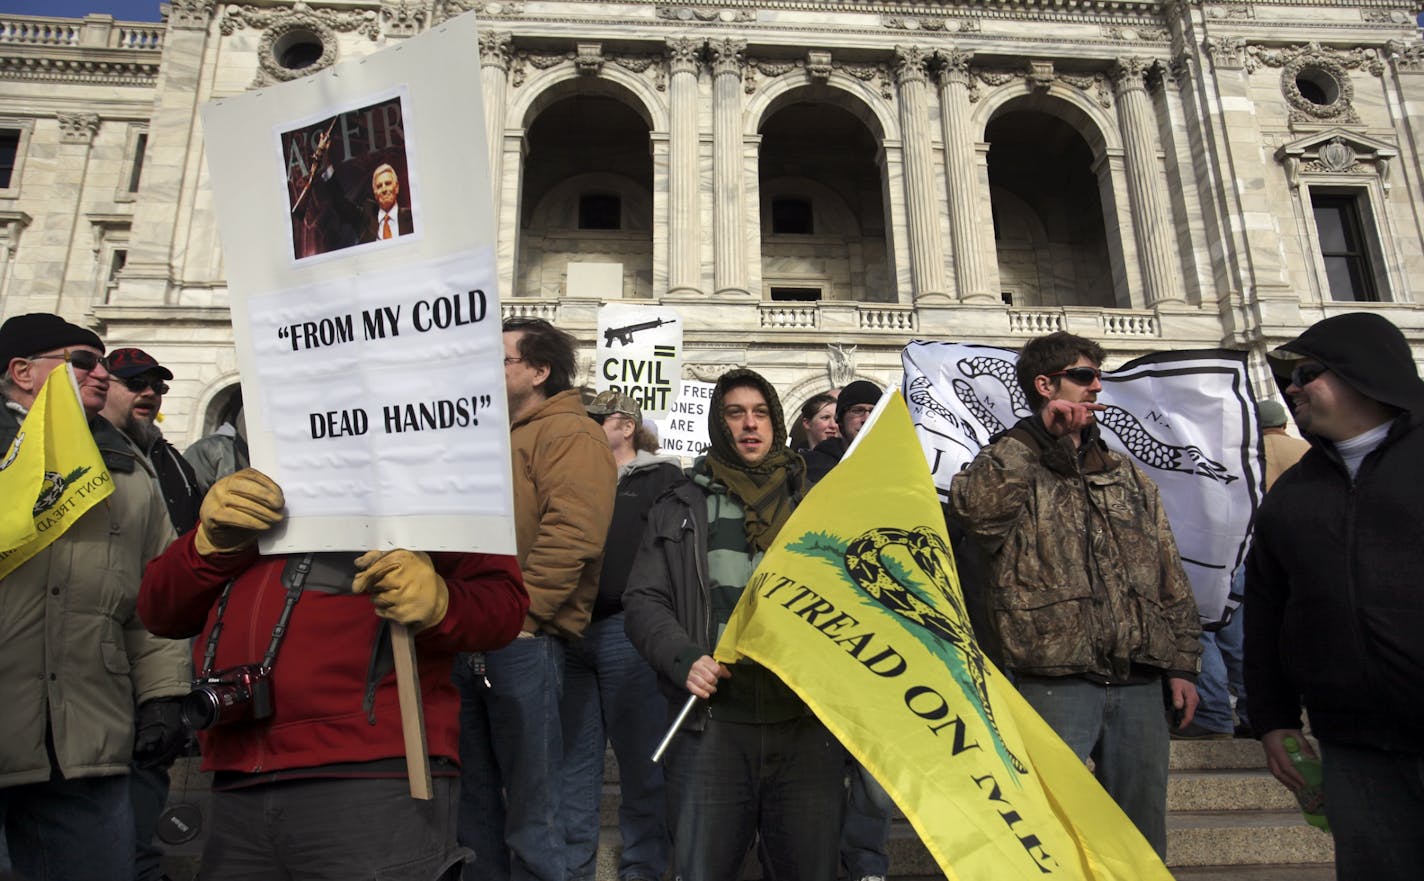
[(545, 309), (1035, 322), (95, 31), (784, 315), (1130, 324), (886, 318)]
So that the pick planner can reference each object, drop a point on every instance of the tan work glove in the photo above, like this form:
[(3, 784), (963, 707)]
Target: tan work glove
[(404, 587), (236, 510)]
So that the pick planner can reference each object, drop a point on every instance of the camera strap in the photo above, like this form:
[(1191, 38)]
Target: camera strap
[(279, 630)]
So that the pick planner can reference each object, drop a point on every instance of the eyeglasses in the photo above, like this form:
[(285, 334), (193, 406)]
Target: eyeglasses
[(508, 360), (1305, 374), (138, 385), (1080, 375), (861, 410), (82, 359)]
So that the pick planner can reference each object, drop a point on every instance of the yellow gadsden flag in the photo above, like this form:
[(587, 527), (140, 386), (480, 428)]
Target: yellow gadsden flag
[(50, 474), (857, 607)]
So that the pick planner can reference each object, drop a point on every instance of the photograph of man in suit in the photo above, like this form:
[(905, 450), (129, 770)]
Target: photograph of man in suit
[(390, 221)]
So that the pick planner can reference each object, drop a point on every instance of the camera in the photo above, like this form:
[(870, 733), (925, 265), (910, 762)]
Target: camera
[(232, 695)]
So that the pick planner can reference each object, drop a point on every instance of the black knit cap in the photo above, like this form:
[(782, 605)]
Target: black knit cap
[(38, 332), (1366, 351), (859, 392)]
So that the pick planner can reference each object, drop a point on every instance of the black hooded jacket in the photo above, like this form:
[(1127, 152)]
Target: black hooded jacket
[(1335, 579)]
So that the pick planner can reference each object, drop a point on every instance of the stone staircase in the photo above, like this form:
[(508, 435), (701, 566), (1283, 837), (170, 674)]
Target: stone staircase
[(1228, 820)]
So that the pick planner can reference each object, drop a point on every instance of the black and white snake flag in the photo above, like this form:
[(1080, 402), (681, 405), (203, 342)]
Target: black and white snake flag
[(1187, 418)]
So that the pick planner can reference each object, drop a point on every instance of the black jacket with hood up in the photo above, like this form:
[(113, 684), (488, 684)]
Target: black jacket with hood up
[(1335, 579)]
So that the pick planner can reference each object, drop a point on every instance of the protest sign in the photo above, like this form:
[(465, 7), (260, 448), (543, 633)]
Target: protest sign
[(639, 353), (354, 209), (1188, 419), (684, 431)]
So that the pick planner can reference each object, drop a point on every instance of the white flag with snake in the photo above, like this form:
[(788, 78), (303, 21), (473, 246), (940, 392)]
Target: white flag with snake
[(1187, 418)]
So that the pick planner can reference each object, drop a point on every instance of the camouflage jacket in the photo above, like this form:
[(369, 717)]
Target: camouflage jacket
[(1083, 570)]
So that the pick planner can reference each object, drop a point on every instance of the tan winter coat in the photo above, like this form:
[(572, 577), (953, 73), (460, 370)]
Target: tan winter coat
[(564, 484), (72, 649), (1084, 573)]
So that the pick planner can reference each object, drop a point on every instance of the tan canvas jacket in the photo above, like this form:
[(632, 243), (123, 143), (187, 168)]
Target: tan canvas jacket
[(564, 484)]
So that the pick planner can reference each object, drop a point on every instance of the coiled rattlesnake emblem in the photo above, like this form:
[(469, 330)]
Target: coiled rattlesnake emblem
[(864, 560), (1135, 437)]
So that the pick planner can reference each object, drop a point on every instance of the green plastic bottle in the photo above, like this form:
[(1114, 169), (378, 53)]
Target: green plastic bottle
[(1311, 796)]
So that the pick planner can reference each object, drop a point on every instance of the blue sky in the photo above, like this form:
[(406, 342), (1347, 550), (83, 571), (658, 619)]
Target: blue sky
[(123, 10)]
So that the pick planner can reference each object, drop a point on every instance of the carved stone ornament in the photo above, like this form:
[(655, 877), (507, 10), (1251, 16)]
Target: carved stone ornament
[(443, 9), (190, 14), (1227, 11), (1129, 73), (496, 48), (1227, 53), (539, 60), (403, 18), (1337, 156), (684, 55), (1040, 75), (818, 65), (295, 26), (1406, 56), (1386, 16), (1316, 66), (911, 64), (77, 128), (364, 22), (840, 365), (954, 67), (588, 58), (728, 56), (708, 14), (1336, 152), (709, 372)]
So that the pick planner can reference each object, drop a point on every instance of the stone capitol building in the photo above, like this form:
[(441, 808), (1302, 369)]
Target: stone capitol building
[(790, 174)]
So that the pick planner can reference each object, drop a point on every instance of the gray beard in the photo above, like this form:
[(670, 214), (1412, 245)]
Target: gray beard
[(145, 434)]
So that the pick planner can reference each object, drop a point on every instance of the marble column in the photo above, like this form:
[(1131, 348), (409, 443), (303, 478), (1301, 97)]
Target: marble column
[(151, 270), (684, 56), (494, 75), (961, 173), (729, 272), (1151, 217), (926, 249)]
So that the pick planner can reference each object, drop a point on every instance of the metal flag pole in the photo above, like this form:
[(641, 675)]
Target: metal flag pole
[(677, 723)]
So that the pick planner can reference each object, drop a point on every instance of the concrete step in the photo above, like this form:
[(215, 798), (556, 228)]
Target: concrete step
[(1245, 838), (1255, 873), (1227, 790), (1196, 755)]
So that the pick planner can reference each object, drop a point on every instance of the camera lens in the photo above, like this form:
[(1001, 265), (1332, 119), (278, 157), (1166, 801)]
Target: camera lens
[(200, 708)]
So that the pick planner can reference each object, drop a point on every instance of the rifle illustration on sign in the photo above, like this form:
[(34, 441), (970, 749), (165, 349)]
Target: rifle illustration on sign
[(624, 335)]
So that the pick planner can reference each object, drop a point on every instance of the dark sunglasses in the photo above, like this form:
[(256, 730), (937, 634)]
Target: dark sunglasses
[(138, 385), (81, 359), (1080, 375), (1305, 374)]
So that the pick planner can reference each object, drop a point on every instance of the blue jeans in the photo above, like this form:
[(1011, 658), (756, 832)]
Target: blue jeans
[(1123, 728), (1222, 671), (68, 829), (611, 694), (731, 781), (511, 747), (867, 825), (1375, 803)]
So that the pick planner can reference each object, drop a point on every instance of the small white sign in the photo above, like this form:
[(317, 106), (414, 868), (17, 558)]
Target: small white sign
[(640, 355), (684, 431)]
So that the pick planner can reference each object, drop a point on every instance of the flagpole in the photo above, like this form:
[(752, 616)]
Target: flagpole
[(677, 723)]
